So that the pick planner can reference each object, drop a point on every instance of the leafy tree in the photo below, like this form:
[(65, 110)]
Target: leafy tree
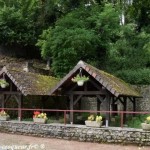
[(131, 50), (85, 34), (139, 11), (17, 22), (129, 56)]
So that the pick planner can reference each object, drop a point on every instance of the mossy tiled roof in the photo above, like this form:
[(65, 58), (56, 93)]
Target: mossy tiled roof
[(114, 85), (30, 83)]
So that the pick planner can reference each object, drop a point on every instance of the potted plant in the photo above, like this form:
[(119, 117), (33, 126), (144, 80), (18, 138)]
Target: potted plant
[(146, 124), (3, 83), (39, 117), (80, 79), (4, 116), (94, 121)]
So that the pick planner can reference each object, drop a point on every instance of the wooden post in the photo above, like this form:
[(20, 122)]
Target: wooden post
[(107, 109), (114, 106), (124, 108), (71, 108), (20, 100), (134, 105), (3, 101)]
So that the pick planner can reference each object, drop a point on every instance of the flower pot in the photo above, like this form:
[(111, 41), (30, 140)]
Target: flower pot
[(4, 118), (145, 126), (3, 85), (93, 123), (39, 120), (80, 83)]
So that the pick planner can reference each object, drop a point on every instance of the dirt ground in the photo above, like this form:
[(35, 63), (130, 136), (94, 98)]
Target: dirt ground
[(20, 142)]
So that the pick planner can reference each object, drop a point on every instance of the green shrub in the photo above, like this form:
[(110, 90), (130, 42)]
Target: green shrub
[(140, 76), (135, 122)]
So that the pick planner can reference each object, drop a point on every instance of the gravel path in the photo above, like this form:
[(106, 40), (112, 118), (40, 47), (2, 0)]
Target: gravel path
[(20, 142)]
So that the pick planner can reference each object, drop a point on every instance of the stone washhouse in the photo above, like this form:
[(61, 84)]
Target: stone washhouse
[(23, 83), (101, 85)]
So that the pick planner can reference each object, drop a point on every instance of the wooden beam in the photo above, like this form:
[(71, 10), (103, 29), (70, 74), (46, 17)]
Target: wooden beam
[(10, 92), (3, 101), (7, 97), (130, 98), (78, 98), (115, 100), (87, 93), (124, 108), (74, 87), (20, 100), (121, 100), (107, 109), (95, 85), (134, 105), (101, 99), (17, 98), (71, 108)]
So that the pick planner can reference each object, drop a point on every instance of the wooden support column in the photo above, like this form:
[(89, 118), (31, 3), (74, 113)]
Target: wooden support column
[(20, 106), (3, 101), (71, 108), (107, 109), (114, 106), (20, 101), (124, 108), (134, 105)]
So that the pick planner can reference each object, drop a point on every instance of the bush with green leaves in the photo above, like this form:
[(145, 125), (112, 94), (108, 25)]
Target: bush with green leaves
[(135, 122), (138, 76), (83, 34)]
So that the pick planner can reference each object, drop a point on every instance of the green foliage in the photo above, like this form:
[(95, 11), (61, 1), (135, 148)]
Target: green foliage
[(138, 76), (85, 115), (80, 78), (17, 22), (82, 29), (21, 21), (135, 122), (116, 122), (140, 13), (3, 82), (132, 122), (82, 34), (129, 57), (131, 45)]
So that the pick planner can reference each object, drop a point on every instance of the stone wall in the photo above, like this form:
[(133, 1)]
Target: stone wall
[(143, 104), (88, 103), (78, 132)]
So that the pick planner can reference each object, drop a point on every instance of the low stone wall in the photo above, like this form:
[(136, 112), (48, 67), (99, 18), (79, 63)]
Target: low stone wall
[(78, 132)]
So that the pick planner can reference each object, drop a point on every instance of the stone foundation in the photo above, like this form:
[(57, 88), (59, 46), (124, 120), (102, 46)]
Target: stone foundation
[(78, 132)]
